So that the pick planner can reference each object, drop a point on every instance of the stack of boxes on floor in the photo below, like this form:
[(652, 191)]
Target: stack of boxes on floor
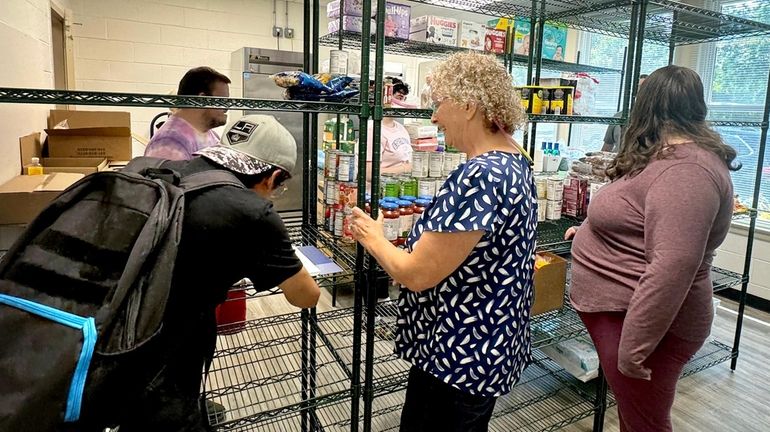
[(78, 143)]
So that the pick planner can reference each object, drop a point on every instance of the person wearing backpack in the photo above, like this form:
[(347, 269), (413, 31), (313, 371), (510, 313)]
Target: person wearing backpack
[(227, 229)]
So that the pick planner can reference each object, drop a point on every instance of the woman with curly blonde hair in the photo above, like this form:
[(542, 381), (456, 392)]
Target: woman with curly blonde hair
[(467, 270)]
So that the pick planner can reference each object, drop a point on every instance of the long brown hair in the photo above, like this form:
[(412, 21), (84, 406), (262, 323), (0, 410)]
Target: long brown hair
[(670, 103)]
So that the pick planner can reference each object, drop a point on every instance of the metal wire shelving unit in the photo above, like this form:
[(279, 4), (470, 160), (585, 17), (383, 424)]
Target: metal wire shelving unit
[(313, 372)]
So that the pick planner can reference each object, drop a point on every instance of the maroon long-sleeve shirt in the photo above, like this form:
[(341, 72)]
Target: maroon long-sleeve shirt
[(647, 246)]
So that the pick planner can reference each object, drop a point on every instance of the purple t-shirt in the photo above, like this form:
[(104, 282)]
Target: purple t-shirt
[(178, 140)]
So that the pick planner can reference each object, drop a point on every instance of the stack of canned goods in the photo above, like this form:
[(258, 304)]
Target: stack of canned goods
[(431, 169), (344, 132), (550, 194)]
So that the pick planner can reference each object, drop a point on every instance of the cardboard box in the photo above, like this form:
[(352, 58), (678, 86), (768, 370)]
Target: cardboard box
[(102, 134), (350, 23), (352, 8), (30, 146), (550, 284), (23, 197), (472, 35), (494, 41), (397, 20), (433, 29)]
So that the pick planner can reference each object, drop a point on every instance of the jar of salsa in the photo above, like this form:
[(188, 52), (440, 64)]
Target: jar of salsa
[(391, 222), (406, 212), (419, 208)]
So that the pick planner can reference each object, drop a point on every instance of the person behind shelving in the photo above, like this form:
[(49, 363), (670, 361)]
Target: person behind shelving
[(190, 129), (228, 233), (642, 259), (395, 143), (463, 320), (614, 134)]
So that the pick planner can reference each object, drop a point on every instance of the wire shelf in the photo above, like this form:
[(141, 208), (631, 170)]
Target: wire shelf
[(423, 113), (546, 398), (723, 279), (410, 48), (667, 22), (257, 374), (712, 354), (76, 97), (550, 235)]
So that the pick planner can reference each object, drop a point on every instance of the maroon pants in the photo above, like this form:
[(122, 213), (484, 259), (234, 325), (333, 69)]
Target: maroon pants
[(643, 406)]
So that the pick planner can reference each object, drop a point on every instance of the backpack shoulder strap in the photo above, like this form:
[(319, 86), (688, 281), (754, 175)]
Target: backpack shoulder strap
[(209, 178), (139, 164)]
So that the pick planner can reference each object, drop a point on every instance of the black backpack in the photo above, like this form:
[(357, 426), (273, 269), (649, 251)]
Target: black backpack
[(83, 294)]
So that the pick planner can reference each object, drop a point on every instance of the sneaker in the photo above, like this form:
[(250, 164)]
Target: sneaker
[(216, 413)]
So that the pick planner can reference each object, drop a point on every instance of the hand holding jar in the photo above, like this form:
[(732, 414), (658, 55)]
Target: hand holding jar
[(365, 229)]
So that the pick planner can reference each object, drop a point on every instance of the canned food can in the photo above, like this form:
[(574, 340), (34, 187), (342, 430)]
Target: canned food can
[(541, 184), (331, 192), (347, 147), (555, 189), (451, 162), (329, 214), (345, 167), (553, 210), (330, 164), (338, 62), (387, 93), (409, 186), (347, 233), (439, 183), (542, 210), (391, 187), (339, 221), (426, 186), (463, 158), (436, 166), (420, 164), (348, 196)]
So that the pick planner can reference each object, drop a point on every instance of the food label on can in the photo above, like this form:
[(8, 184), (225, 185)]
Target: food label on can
[(391, 227), (405, 225), (541, 184), (330, 164), (338, 62), (420, 164), (409, 187), (436, 164), (553, 211), (330, 192), (329, 222), (344, 167), (555, 189), (348, 195), (426, 187), (339, 223), (451, 162), (542, 210)]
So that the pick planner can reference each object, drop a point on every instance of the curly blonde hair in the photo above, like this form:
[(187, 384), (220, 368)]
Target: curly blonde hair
[(471, 77)]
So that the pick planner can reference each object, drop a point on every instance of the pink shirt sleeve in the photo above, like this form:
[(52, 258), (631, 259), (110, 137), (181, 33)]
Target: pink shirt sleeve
[(676, 232)]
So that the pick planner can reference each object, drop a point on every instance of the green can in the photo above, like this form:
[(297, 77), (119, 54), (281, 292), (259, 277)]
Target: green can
[(408, 186), (391, 187)]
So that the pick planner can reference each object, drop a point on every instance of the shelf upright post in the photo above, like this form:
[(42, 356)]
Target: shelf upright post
[(671, 42), (305, 394), (371, 297), (307, 205), (360, 275), (313, 151), (639, 50), (631, 58), (530, 63), (752, 227), (622, 78), (600, 403)]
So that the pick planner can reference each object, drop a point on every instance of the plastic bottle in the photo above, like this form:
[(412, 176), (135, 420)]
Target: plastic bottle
[(549, 149), (556, 151), (35, 168), (538, 160)]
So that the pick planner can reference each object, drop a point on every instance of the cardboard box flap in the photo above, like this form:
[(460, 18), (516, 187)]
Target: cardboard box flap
[(74, 162), (93, 131), (89, 119), (58, 181), (30, 146)]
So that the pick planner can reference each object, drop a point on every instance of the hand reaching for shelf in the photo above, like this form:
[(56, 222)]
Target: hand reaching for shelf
[(570, 233)]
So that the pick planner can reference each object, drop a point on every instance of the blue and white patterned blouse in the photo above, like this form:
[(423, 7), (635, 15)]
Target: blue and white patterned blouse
[(472, 330)]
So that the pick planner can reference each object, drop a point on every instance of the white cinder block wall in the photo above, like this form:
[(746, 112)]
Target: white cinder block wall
[(25, 44)]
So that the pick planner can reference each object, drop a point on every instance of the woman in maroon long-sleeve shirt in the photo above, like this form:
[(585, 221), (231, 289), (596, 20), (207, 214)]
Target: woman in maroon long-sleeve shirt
[(642, 259)]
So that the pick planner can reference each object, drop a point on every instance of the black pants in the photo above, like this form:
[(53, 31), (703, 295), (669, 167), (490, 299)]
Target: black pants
[(433, 406)]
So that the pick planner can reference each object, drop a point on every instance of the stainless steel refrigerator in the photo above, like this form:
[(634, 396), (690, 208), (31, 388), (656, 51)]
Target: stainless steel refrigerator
[(256, 66)]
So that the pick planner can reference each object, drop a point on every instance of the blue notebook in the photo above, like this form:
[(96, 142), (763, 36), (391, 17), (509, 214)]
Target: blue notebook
[(316, 262)]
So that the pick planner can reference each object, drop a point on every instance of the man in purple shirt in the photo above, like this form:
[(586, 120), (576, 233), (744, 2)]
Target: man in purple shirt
[(190, 129)]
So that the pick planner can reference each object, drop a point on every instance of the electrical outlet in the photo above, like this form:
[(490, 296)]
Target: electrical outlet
[(277, 31), (288, 33)]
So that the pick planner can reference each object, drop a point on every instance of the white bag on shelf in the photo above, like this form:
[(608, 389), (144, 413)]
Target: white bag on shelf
[(576, 356), (584, 99)]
